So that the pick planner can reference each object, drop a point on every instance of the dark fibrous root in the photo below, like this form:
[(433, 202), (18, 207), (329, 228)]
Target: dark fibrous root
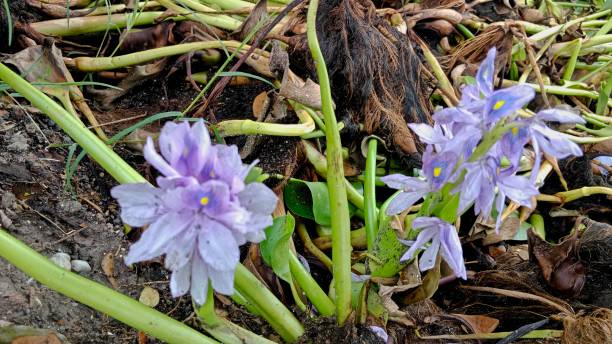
[(595, 327), (376, 75)]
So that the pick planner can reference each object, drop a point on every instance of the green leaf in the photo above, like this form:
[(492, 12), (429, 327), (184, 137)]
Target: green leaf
[(253, 175), (275, 249), (447, 211), (309, 200), (387, 252)]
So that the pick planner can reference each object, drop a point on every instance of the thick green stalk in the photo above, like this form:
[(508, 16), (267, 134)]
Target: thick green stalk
[(103, 154), (236, 127), (340, 218), (313, 291), (570, 66), (82, 25), (562, 27), (95, 64), (220, 21), (279, 317), (369, 186), (558, 90), (97, 296)]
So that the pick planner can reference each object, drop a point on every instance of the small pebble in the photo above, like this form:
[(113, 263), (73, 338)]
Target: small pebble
[(69, 207), (19, 143), (80, 266), (8, 198), (5, 221), (62, 260)]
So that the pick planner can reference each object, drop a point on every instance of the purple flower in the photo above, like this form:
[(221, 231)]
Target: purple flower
[(201, 212), (444, 240), (543, 138), (437, 168), (483, 178)]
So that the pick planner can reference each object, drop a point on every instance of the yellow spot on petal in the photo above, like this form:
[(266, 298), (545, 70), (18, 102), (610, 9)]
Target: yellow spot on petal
[(515, 131), (204, 200), (212, 174), (499, 104), (437, 171)]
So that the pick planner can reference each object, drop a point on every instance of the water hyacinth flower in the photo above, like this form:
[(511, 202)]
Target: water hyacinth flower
[(542, 138), (200, 213), (444, 240), (437, 168)]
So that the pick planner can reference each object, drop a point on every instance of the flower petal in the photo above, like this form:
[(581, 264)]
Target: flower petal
[(154, 240), (222, 280), (258, 198), (486, 72), (451, 250), (518, 189), (427, 134), (172, 141), (180, 250), (422, 238), (507, 101), (404, 200), (180, 281), (404, 183), (560, 115), (140, 203), (428, 258), (199, 280), (217, 246), (157, 161)]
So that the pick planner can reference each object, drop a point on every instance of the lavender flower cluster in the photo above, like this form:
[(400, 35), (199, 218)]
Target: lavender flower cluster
[(482, 180), (201, 212)]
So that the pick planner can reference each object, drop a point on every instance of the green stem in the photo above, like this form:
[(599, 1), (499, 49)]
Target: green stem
[(95, 64), (559, 28), (340, 218), (369, 186), (312, 248), (222, 329), (465, 31), (229, 4), (313, 291), (249, 127), (97, 296), (82, 25), (104, 155), (220, 21), (536, 334), (279, 317), (604, 96), (572, 195), (319, 162), (558, 90), (571, 63)]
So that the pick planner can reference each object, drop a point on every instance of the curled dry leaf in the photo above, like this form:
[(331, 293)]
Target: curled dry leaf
[(478, 323), (560, 264), (108, 267)]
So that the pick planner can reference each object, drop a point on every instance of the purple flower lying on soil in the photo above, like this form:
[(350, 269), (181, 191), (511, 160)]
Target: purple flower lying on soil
[(444, 240), (201, 212)]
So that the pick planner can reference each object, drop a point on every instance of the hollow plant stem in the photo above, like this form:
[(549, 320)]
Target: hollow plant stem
[(97, 296), (96, 64), (313, 291), (340, 218), (220, 21), (369, 186), (236, 127), (82, 25), (279, 317)]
